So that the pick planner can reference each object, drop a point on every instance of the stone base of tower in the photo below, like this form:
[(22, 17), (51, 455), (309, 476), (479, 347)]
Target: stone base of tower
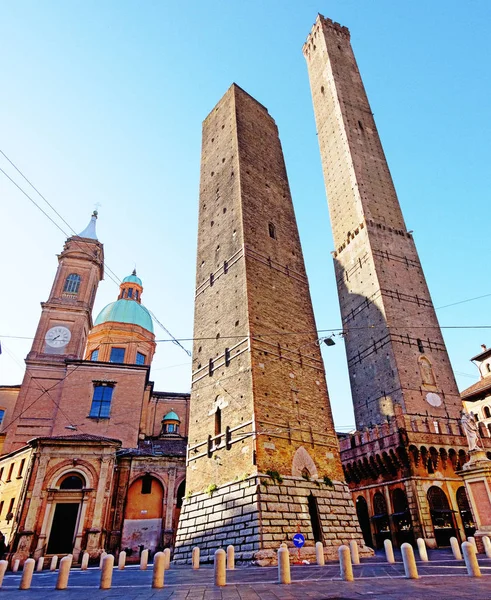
[(258, 514)]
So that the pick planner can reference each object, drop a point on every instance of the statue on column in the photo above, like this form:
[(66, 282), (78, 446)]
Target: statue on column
[(471, 430)]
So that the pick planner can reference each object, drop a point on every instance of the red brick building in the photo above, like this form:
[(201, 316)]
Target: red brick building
[(99, 455)]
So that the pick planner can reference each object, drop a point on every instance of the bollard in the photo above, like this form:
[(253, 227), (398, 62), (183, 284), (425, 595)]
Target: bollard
[(15, 567), (345, 563), (423, 554), (389, 551), (284, 565), (470, 558), (195, 557), (85, 561), (121, 560), (144, 560), (64, 573), (455, 548), (166, 559), (159, 562), (409, 562), (3, 567), (230, 557), (220, 568), (319, 554), (27, 571), (53, 564), (107, 572), (101, 558), (487, 545), (355, 556), (472, 541), (40, 563)]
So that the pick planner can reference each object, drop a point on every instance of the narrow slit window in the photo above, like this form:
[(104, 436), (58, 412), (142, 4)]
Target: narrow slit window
[(272, 230), (420, 346)]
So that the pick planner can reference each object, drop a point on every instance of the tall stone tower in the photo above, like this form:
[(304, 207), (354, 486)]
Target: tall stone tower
[(259, 410), (396, 353), (65, 321)]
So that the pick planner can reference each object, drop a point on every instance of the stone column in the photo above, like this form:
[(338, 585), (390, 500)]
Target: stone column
[(477, 479), (169, 512)]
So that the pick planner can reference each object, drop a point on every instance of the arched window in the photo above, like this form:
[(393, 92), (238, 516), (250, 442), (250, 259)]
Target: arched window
[(379, 505), (72, 283), (272, 230), (72, 482), (437, 499), (487, 412), (399, 499)]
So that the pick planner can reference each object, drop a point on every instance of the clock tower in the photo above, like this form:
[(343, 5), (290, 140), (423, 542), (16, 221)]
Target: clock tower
[(61, 334)]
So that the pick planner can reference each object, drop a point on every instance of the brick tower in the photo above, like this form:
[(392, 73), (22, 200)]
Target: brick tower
[(259, 409), (403, 463), (395, 349), (62, 331)]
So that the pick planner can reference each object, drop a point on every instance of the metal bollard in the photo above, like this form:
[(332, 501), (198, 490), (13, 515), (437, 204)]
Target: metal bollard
[(345, 565), (15, 566), (64, 573), (54, 563), (284, 565), (220, 568), (144, 560), (195, 557), (166, 559), (487, 545), (470, 558), (455, 548), (355, 556), (159, 562), (230, 557), (472, 541), (319, 554), (423, 554), (27, 571), (85, 561), (409, 561), (107, 572), (40, 563), (389, 551), (121, 560), (101, 558), (3, 567)]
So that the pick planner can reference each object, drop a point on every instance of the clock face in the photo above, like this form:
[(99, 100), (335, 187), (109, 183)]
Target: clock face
[(58, 337)]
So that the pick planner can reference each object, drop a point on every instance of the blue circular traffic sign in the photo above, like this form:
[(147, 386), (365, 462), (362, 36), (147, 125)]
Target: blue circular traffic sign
[(298, 540)]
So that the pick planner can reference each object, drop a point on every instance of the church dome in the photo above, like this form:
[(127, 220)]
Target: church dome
[(133, 278), (126, 311), (171, 416)]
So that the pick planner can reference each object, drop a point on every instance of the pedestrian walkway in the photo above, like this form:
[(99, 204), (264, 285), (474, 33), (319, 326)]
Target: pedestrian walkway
[(441, 578)]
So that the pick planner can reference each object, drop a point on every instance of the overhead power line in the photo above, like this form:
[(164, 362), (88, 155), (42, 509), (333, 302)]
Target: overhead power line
[(111, 274)]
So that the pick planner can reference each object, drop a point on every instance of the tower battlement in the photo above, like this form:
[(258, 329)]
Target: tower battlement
[(323, 23)]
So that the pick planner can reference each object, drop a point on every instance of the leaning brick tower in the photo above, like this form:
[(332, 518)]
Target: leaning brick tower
[(263, 459), (395, 349)]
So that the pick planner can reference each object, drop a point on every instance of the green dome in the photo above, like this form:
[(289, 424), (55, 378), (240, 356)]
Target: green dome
[(126, 311), (133, 278), (171, 416)]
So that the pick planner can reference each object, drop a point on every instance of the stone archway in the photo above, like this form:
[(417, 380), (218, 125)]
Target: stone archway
[(303, 465)]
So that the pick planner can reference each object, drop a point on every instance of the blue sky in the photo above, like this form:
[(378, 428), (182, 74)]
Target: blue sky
[(102, 102)]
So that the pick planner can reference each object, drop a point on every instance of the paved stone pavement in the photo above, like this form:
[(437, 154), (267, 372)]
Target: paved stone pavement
[(442, 578)]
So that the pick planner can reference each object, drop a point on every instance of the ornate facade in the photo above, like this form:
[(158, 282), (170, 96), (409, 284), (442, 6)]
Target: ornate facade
[(93, 458)]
